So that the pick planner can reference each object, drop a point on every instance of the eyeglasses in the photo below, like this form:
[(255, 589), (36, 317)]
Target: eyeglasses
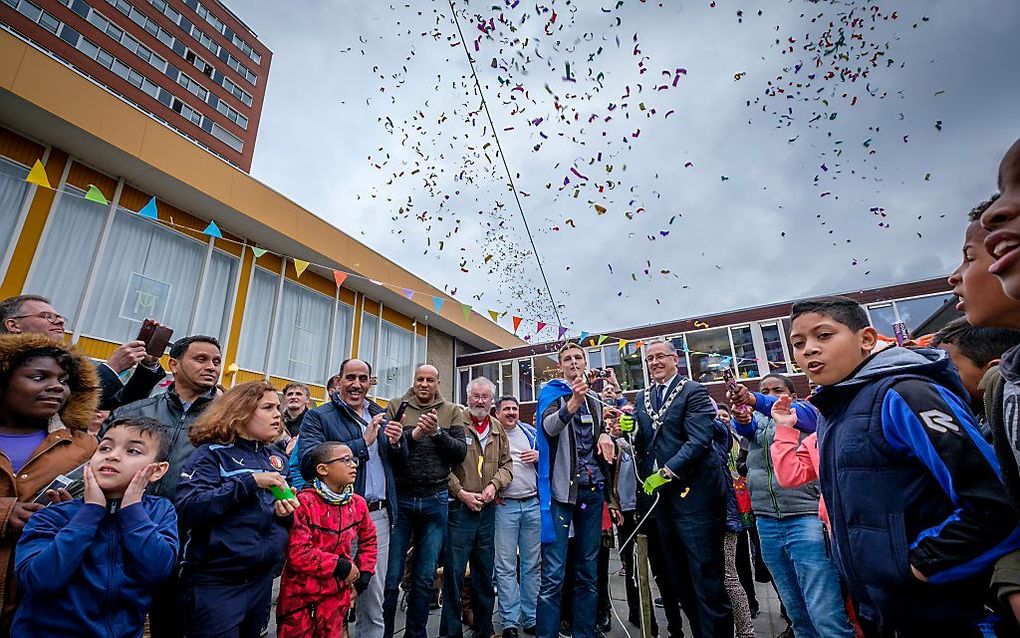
[(349, 461), (52, 317), (660, 357)]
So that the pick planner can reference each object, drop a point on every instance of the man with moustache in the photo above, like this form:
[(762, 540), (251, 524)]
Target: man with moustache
[(352, 419)]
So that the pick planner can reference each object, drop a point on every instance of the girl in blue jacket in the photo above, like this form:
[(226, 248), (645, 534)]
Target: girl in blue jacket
[(235, 529)]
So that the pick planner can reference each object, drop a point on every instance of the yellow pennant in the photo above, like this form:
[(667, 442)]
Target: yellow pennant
[(300, 265), (38, 175)]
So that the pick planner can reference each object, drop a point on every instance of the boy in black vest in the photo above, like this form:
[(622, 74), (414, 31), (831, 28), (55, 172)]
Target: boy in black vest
[(915, 497)]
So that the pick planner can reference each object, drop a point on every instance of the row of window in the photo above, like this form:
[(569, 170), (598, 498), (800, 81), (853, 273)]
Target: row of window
[(151, 271), (217, 24), (750, 350)]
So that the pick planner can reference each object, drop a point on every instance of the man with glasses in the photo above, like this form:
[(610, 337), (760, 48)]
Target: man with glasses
[(352, 419), (33, 314), (471, 526), (674, 422)]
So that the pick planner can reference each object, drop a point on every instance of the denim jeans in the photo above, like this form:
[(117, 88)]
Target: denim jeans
[(369, 610), (795, 551), (586, 515), (518, 533), (469, 536), (422, 518)]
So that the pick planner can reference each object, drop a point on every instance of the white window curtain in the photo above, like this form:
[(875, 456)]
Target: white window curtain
[(301, 334), (341, 337), (13, 189), (366, 343), (60, 267), (258, 313), (214, 311), (147, 271), (421, 351), (394, 369)]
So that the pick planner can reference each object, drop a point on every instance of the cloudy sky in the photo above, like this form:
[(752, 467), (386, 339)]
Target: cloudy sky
[(696, 186)]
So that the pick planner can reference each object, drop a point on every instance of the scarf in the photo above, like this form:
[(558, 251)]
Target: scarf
[(550, 393), (330, 496)]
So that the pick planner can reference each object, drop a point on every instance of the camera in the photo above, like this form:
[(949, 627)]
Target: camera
[(598, 373)]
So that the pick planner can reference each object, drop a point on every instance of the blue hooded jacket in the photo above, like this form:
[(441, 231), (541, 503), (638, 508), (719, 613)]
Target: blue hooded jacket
[(909, 482), (86, 572), (549, 394)]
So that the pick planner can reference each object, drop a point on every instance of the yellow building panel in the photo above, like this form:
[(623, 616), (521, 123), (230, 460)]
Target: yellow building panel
[(396, 318), (244, 376), (237, 314), (371, 307), (19, 149), (82, 176), (315, 281), (31, 232), (270, 262)]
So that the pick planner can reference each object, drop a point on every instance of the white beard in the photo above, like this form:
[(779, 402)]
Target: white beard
[(478, 413)]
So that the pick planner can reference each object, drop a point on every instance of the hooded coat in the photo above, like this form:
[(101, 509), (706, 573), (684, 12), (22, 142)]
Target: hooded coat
[(67, 445)]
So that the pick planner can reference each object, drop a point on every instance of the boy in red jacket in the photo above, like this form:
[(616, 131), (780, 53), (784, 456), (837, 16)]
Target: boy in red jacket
[(321, 577)]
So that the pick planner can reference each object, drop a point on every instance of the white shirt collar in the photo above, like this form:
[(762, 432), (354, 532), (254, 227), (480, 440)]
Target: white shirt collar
[(669, 382)]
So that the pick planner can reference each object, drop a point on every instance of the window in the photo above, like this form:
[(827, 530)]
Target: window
[(626, 363), (258, 316), (237, 92), (463, 377), (395, 365), (193, 87), (366, 343), (232, 115), (681, 351), (88, 48), (104, 58), (48, 22), (505, 383), (148, 271), (60, 273), (882, 318), (774, 354), (916, 312), (98, 21), (525, 381), (13, 189), (213, 312), (301, 334), (743, 349), (227, 137), (341, 337), (242, 70), (546, 368), (30, 11), (710, 354), (203, 39)]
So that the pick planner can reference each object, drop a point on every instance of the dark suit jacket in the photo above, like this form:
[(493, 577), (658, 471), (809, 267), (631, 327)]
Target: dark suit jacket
[(139, 386), (683, 443), (335, 421)]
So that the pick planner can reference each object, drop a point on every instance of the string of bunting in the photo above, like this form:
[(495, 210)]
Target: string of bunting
[(37, 175)]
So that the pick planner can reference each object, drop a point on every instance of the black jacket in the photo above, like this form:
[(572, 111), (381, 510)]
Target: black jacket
[(115, 393), (336, 421), (683, 443), (1001, 399), (168, 409)]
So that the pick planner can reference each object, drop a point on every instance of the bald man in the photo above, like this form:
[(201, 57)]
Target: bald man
[(434, 430)]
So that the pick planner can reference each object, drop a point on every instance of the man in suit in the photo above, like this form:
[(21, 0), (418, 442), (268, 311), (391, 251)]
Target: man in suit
[(674, 420), (352, 419)]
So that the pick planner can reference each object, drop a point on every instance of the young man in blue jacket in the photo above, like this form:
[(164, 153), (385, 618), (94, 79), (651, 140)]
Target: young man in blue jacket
[(915, 496), (88, 566)]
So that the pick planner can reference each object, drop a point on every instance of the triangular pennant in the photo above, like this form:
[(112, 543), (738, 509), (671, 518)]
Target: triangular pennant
[(466, 309), (601, 339), (623, 344), (562, 331), (539, 327), (517, 323), (300, 265), (214, 231), (38, 176), (494, 315), (149, 210), (437, 303), (581, 337), (639, 345), (407, 293), (258, 251), (339, 277), (96, 195)]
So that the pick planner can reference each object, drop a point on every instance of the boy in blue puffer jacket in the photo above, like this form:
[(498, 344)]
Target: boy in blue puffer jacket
[(915, 496), (87, 567)]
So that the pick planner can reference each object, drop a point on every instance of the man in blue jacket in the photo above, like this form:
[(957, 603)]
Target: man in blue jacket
[(352, 419), (675, 423)]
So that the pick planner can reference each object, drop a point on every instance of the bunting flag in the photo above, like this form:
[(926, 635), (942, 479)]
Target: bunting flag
[(494, 315), (300, 265), (437, 303), (214, 231), (96, 195), (639, 345), (258, 251), (562, 331), (466, 309), (149, 210), (601, 339), (517, 323), (339, 277), (407, 292), (38, 176), (539, 327), (582, 336), (622, 344)]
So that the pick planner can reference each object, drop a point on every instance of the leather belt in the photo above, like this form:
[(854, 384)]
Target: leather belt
[(375, 506)]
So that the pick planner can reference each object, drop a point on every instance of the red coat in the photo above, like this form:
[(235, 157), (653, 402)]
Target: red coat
[(313, 601)]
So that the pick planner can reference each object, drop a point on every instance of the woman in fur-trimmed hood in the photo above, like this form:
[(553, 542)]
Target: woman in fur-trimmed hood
[(48, 397)]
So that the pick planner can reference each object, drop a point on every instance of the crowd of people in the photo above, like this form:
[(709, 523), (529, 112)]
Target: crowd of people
[(884, 504)]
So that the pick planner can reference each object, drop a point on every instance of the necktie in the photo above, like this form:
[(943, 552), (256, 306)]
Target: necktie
[(658, 396)]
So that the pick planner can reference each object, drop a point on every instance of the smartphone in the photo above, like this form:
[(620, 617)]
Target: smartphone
[(146, 331), (400, 411), (73, 482), (155, 337), (731, 384)]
